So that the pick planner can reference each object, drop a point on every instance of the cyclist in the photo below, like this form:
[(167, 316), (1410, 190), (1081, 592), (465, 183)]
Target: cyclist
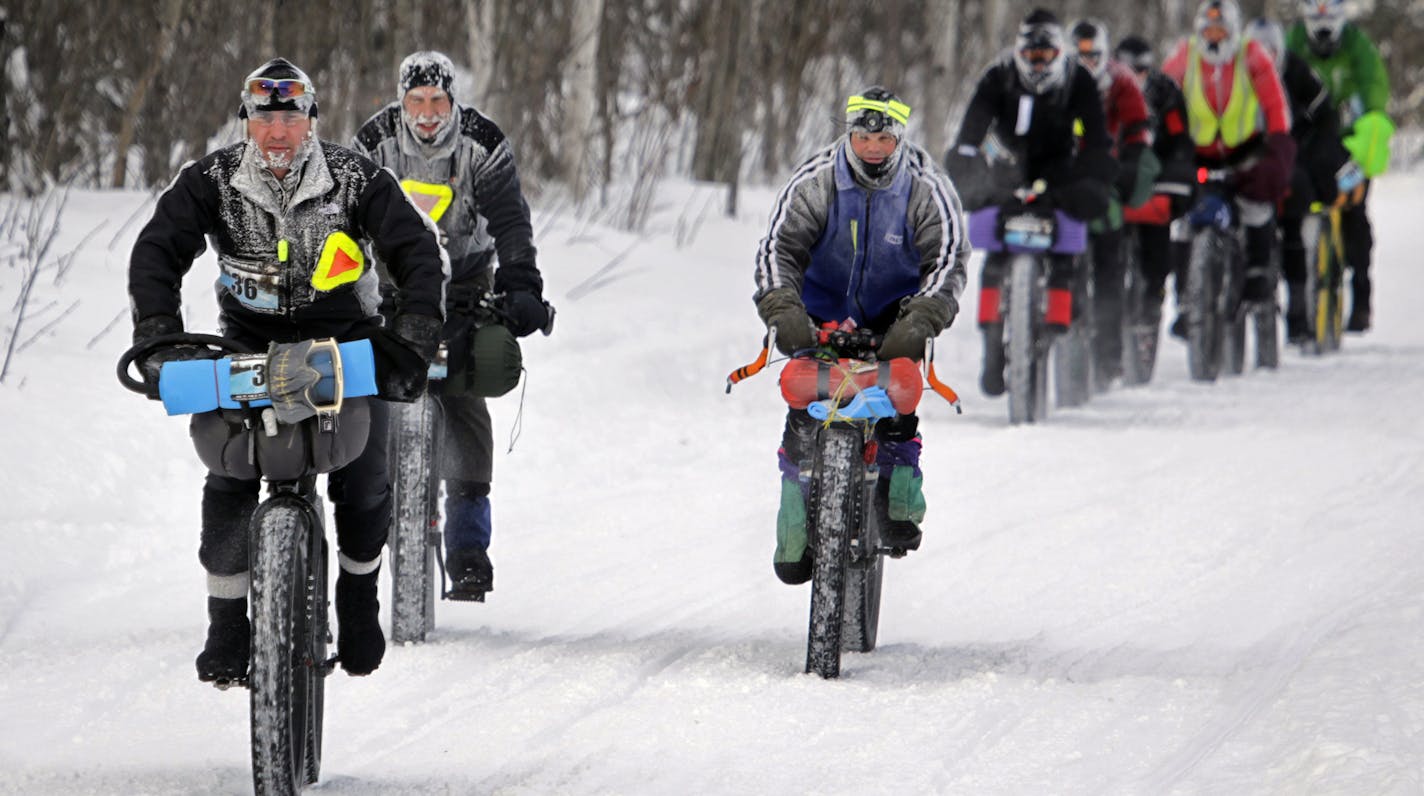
[(287, 214), (870, 211), (459, 164), (1019, 129), (1129, 127), (1238, 118), (1157, 257), (1322, 167), (1351, 67)]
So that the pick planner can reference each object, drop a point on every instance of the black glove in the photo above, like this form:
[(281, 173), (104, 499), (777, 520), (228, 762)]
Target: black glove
[(783, 309), (921, 317), (524, 313), (403, 353), (158, 326), (1084, 199), (1268, 180)]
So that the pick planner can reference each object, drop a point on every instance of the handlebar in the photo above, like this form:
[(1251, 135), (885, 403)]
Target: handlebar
[(145, 347)]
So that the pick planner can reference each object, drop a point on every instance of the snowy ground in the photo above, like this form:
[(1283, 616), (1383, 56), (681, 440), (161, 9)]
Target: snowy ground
[(1178, 589)]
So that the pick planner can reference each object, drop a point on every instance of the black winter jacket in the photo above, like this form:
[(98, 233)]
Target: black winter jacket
[(1039, 133), (1315, 125), (273, 284)]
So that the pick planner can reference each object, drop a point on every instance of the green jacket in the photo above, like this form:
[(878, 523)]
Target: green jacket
[(1354, 73)]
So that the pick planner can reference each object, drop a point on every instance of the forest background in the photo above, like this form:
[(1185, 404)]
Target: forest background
[(602, 98)]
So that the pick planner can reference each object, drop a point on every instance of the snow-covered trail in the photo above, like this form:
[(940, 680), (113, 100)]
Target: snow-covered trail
[(1180, 588)]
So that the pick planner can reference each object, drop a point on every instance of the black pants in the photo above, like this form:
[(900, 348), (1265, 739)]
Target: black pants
[(1107, 298), (360, 494), (1359, 242), (1154, 257)]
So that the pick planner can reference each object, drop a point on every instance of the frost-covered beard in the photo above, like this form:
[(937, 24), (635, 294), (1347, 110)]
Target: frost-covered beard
[(412, 122), (277, 161)]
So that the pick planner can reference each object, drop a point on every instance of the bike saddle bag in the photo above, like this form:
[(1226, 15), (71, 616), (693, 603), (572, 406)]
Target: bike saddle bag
[(230, 444)]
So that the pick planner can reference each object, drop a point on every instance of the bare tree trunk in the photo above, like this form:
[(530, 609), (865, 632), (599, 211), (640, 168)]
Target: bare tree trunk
[(940, 82), (480, 20), (168, 26), (995, 17), (580, 95), (717, 155)]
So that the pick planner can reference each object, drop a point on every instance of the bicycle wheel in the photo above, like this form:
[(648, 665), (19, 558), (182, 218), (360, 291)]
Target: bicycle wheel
[(285, 678), (865, 572), (834, 480), (1073, 354), (1204, 324), (1140, 327), (1268, 337), (1231, 310), (1330, 322), (415, 518), (1025, 380), (1310, 235)]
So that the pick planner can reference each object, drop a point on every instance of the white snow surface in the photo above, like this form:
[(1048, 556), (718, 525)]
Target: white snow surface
[(1181, 588)]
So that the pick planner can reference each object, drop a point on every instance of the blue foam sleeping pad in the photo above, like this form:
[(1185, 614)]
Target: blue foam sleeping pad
[(203, 385)]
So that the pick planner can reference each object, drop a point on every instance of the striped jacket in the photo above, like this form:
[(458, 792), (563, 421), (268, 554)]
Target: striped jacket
[(850, 252)]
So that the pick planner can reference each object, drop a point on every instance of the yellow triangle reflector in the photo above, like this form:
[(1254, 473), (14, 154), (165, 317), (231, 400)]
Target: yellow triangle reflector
[(432, 198), (342, 262)]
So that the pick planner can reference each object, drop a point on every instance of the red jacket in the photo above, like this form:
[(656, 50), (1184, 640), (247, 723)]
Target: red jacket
[(1125, 107), (1216, 85)]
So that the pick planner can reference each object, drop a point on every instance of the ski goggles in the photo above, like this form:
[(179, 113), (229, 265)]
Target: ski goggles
[(287, 88), (1039, 56), (1088, 54), (1139, 63), (875, 115)]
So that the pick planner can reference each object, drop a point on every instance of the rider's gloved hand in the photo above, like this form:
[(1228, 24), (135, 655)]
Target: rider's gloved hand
[(1269, 178), (524, 312), (157, 326), (783, 309), (921, 318), (1084, 199), (403, 352)]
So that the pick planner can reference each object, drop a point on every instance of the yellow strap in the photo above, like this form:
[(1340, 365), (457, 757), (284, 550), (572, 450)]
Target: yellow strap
[(895, 109)]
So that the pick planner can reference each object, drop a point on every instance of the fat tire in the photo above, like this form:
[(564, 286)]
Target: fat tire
[(1073, 353), (415, 518), (288, 646), (1025, 372), (1202, 296), (1139, 335), (834, 484), (865, 574)]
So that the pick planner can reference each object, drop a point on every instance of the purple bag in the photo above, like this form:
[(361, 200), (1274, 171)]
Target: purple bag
[(1027, 233)]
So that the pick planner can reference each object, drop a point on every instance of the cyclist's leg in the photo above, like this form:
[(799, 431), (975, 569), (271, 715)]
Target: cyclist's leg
[(991, 322), (1107, 302), (1259, 221), (360, 494), (1154, 260), (792, 559), (1293, 213), (467, 465), (900, 495), (228, 504), (1359, 243)]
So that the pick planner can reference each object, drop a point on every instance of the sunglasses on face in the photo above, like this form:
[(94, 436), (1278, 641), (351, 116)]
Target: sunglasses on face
[(282, 118), (283, 89), (1039, 55)]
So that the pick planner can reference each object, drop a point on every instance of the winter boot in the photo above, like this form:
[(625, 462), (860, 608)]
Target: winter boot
[(468, 529), (1360, 308), (225, 654), (360, 644), (1297, 325), (992, 379), (792, 559), (899, 492)]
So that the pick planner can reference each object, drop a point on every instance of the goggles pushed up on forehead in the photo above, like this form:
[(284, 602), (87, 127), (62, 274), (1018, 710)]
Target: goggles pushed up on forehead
[(288, 88), (876, 115)]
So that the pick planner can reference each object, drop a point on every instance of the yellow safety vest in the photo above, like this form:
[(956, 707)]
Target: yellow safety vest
[(1241, 119)]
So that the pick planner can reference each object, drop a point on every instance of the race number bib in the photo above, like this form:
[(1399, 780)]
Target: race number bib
[(257, 285)]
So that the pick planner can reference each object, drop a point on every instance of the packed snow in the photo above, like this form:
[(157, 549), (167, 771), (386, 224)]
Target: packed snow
[(1180, 588)]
